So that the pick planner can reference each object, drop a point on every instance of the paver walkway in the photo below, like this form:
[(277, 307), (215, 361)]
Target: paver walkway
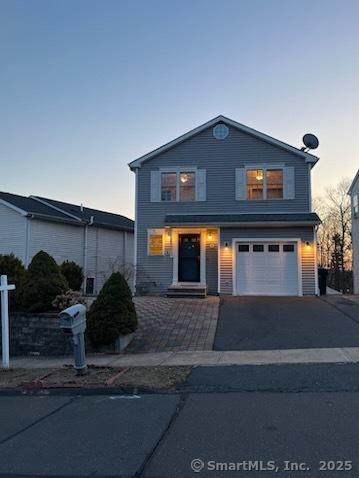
[(174, 324)]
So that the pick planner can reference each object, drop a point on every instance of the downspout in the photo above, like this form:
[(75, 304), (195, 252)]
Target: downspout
[(85, 250), (27, 240)]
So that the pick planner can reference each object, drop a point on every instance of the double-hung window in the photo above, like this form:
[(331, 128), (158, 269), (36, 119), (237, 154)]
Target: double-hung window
[(264, 183), (178, 186)]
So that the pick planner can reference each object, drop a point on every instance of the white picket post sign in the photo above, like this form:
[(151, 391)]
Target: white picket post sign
[(4, 289)]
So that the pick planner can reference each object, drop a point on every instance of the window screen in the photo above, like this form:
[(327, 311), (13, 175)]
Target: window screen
[(168, 186), (187, 187), (274, 179), (255, 184)]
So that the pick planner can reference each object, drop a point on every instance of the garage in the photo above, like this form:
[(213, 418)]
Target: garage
[(267, 268)]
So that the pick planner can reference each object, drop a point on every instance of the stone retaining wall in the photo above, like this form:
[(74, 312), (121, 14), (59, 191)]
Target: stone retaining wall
[(40, 334), (37, 334)]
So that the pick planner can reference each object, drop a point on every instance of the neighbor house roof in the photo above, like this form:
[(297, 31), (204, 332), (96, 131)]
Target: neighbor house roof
[(51, 210), (310, 158), (249, 219), (354, 182)]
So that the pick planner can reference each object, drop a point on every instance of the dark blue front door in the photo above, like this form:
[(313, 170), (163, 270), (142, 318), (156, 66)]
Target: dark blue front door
[(189, 258)]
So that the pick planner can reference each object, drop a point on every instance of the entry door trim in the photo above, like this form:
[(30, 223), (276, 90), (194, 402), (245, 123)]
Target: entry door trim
[(175, 244), (246, 240)]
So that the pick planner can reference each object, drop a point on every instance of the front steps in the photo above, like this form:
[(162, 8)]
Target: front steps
[(192, 291)]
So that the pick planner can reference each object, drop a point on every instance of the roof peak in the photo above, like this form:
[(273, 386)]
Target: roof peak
[(310, 158)]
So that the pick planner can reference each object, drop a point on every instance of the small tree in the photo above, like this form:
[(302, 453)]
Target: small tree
[(11, 266), (113, 312), (43, 282), (73, 274)]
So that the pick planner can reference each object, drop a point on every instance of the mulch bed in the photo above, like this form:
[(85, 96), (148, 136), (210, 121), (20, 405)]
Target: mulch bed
[(66, 377)]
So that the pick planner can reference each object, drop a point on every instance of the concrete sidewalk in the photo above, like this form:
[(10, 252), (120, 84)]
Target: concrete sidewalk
[(252, 357)]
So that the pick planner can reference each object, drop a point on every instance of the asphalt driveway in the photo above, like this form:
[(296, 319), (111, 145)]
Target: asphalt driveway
[(268, 323)]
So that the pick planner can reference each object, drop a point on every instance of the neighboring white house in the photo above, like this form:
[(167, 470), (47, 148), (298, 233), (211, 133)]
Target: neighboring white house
[(100, 242), (354, 194)]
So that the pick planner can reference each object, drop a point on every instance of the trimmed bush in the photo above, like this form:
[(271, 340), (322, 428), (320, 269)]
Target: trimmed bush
[(113, 313), (69, 298), (73, 274), (43, 282), (11, 266)]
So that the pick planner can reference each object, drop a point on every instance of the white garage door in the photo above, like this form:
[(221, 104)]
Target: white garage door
[(267, 268)]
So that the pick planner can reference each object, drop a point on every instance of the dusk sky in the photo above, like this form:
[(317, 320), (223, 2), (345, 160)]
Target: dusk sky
[(87, 86)]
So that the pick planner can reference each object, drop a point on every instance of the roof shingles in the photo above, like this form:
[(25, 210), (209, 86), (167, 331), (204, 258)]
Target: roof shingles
[(59, 211)]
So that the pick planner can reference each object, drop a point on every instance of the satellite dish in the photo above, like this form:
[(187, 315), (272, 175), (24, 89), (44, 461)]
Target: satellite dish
[(310, 141)]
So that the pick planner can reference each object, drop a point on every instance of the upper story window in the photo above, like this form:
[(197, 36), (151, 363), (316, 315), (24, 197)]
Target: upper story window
[(356, 204), (264, 184), (178, 186), (168, 186)]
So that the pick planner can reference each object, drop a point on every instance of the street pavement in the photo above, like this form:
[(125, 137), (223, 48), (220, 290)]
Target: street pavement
[(264, 416)]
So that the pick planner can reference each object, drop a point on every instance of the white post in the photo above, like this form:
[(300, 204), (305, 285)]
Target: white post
[(4, 289)]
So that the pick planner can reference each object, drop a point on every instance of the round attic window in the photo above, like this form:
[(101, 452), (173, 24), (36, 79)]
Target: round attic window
[(220, 131)]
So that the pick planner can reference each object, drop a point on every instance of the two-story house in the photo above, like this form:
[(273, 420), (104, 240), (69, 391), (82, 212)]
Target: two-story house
[(225, 209), (354, 194)]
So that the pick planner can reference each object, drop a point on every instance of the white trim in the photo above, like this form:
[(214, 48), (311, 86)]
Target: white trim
[(310, 186), (219, 260), (306, 156), (271, 239), (175, 245), (315, 261), (135, 233), (14, 208)]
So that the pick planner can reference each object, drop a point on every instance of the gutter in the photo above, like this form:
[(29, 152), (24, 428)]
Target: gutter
[(244, 224)]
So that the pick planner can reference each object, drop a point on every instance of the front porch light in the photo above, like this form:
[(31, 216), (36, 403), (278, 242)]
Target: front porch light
[(226, 245)]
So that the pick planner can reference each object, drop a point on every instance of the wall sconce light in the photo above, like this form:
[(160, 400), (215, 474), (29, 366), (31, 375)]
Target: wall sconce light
[(210, 236), (226, 245), (307, 244)]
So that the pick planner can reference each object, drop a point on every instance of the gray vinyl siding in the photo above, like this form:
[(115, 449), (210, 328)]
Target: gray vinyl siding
[(12, 233), (355, 245), (303, 233), (219, 159)]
